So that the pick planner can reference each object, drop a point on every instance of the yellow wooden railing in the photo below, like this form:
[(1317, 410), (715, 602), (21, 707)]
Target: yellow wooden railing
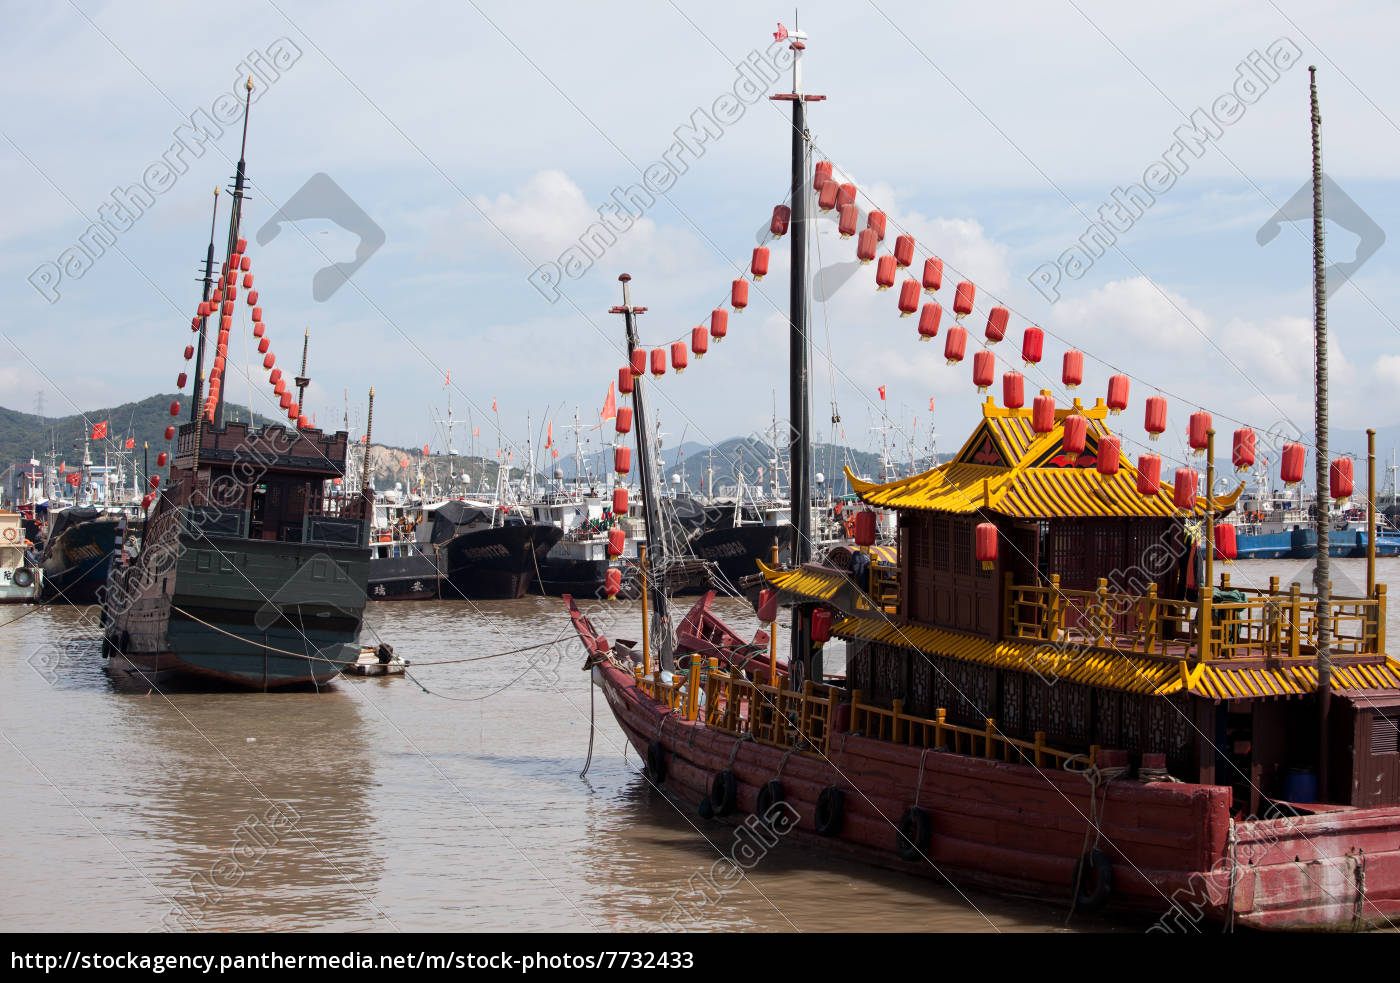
[(1268, 623)]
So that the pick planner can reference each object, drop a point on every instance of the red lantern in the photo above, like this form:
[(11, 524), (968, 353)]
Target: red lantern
[(259, 329), (739, 295), (286, 401), (622, 459), (875, 221), (1076, 434), (180, 380), (252, 298), (1184, 494), (1032, 346), (612, 582), (845, 195), (1340, 478), (1225, 546), (908, 297), (225, 323), (1043, 413), (699, 340), (955, 344), (174, 409), (302, 423), (219, 363), (962, 302), (1073, 373), (826, 197), (293, 411), (257, 314), (637, 359), (658, 362), (619, 501), (1149, 474), (782, 215), (245, 264), (247, 280), (241, 246), (984, 369), (263, 345), (1013, 390), (161, 458), (169, 433), (279, 387), (822, 175), (155, 481), (1196, 432), (928, 321), (680, 358), (146, 500), (767, 605), (903, 251), (821, 625), (194, 324), (616, 540), (623, 422), (189, 352), (933, 273), (275, 377), (1242, 449), (228, 307), (269, 360), (867, 245), (884, 272), (865, 528), (1155, 416), (849, 221), (759, 265), (996, 324), (1117, 394), (719, 322), (1109, 449), (987, 545), (624, 380)]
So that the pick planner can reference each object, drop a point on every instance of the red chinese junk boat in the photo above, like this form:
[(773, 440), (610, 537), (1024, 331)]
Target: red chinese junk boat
[(1046, 694)]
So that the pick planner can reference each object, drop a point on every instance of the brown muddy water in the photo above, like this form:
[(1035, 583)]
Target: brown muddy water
[(376, 806)]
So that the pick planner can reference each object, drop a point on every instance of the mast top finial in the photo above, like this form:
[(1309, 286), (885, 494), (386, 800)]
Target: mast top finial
[(625, 277), (249, 84)]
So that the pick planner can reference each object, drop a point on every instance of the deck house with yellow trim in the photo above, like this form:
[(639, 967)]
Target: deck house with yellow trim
[(1089, 629)]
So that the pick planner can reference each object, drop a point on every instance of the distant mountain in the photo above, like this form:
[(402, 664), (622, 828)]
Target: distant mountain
[(25, 435)]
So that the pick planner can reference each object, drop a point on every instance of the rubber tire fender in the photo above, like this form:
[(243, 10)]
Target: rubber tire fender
[(830, 814), (914, 834), (769, 795), (724, 792), (656, 762), (1098, 871)]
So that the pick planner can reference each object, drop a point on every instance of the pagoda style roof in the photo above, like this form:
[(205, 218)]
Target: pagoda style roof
[(1006, 467)]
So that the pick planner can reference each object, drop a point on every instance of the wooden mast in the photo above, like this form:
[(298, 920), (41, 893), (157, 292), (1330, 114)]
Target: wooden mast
[(197, 403), (1322, 572), (236, 219), (659, 624), (805, 660)]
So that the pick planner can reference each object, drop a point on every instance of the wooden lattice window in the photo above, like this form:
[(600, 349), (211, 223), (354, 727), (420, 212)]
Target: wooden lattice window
[(919, 535), (939, 544), (962, 547)]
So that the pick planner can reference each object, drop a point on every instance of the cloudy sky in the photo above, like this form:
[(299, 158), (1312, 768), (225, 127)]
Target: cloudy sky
[(482, 138)]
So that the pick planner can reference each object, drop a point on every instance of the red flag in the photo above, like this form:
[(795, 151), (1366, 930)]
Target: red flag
[(610, 404), (131, 443), (404, 463), (63, 467), (555, 452), (99, 430), (425, 450), (930, 404), (75, 479), (549, 437), (493, 405), (781, 33), (882, 392), (449, 380), (476, 432)]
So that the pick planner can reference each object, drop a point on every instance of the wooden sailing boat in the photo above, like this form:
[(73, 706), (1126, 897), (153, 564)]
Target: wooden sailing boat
[(1034, 704)]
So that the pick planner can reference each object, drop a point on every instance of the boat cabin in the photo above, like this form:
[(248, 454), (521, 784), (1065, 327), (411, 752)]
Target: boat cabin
[(1038, 595)]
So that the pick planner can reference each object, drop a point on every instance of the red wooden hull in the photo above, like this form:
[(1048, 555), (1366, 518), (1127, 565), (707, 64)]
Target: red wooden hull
[(1021, 830)]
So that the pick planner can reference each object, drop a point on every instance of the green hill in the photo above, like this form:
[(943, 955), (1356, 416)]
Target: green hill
[(24, 435)]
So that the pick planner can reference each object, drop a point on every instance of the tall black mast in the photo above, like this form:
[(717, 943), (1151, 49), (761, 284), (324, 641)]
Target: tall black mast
[(197, 401), (660, 623), (799, 349), (1322, 572), (235, 220)]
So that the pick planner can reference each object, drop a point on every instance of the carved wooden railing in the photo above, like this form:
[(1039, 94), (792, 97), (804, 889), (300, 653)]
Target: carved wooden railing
[(1267, 624)]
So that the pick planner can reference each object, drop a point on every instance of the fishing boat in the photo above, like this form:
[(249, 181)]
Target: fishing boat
[(20, 577), (404, 564), (253, 568), (1046, 693)]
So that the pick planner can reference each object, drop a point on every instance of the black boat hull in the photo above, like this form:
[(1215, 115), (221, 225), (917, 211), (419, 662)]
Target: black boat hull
[(414, 577), (496, 562), (76, 563), (736, 550)]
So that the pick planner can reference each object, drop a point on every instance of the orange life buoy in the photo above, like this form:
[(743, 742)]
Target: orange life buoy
[(11, 534)]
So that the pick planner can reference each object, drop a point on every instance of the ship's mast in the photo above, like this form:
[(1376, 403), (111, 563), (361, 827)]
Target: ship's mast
[(236, 219), (660, 622), (1322, 572), (798, 358)]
